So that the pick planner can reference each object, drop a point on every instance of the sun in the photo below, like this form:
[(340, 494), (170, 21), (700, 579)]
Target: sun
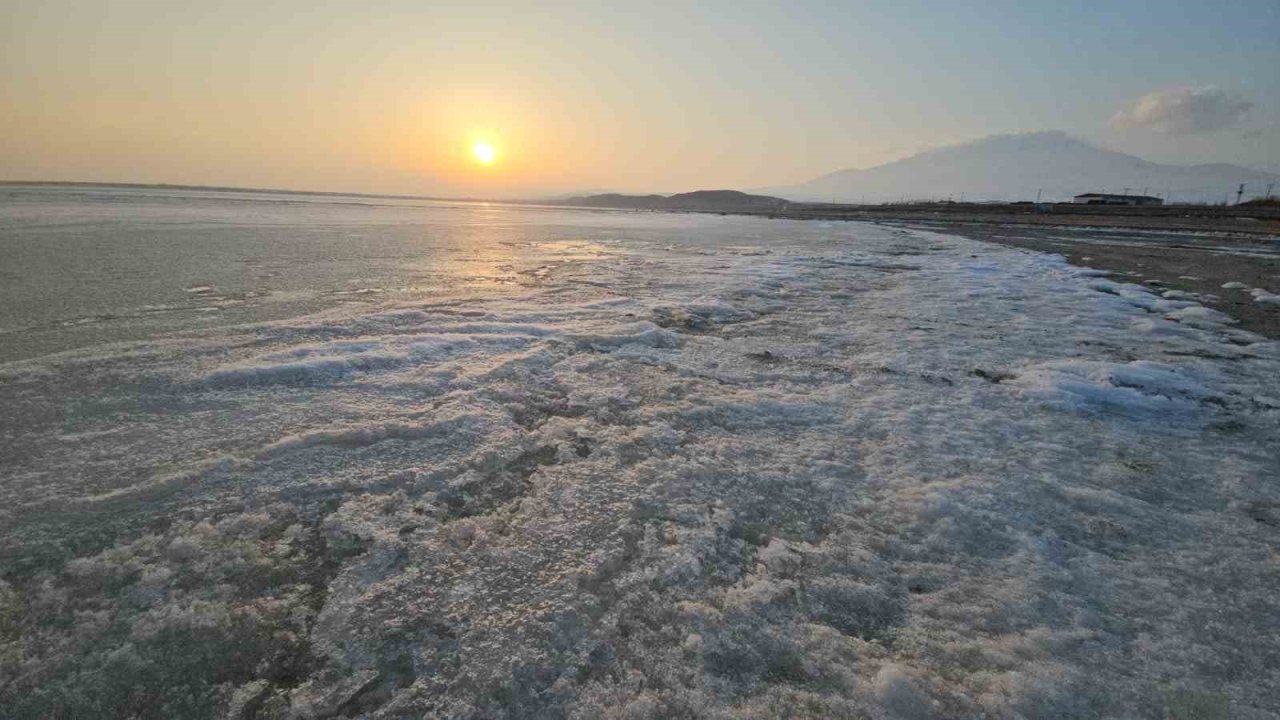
[(484, 153)]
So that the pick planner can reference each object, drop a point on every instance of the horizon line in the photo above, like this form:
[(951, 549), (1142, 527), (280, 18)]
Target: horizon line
[(386, 196), (236, 188)]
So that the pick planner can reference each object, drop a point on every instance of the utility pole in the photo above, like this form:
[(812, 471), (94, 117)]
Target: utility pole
[(1239, 193), (1038, 195), (1270, 186)]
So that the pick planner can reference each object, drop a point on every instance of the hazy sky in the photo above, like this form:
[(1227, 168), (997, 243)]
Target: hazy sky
[(390, 96)]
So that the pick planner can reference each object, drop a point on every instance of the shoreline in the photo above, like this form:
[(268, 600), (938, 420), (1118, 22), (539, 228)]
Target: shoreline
[(1192, 250), (1252, 220), (1198, 269)]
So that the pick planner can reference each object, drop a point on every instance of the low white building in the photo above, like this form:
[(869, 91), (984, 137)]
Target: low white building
[(1106, 199)]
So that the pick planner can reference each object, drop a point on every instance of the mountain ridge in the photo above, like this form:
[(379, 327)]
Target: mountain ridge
[(1020, 166)]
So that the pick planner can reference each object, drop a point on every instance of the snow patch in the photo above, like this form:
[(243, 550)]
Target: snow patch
[(1264, 296), (643, 333), (1136, 388)]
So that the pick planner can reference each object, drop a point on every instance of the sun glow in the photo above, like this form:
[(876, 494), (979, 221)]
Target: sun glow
[(484, 153)]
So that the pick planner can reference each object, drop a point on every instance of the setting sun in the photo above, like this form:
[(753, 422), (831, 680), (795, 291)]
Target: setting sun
[(484, 153)]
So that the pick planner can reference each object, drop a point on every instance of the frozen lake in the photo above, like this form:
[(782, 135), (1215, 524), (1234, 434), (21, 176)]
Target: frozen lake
[(292, 456), (80, 265)]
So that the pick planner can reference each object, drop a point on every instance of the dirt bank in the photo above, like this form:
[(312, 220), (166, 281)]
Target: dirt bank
[(1198, 263)]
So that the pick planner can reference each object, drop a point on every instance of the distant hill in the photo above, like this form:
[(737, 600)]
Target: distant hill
[(1017, 166), (704, 200)]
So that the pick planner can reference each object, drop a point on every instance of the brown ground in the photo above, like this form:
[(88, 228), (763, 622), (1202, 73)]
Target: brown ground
[(1190, 248), (1261, 219), (1195, 262)]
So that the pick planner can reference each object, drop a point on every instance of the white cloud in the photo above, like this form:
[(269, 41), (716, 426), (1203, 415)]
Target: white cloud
[(1183, 111)]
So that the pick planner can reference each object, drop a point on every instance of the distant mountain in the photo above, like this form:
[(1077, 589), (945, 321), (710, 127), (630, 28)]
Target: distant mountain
[(1017, 166), (570, 195), (615, 200), (705, 200)]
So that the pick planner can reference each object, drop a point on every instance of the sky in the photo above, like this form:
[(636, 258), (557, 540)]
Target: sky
[(391, 97)]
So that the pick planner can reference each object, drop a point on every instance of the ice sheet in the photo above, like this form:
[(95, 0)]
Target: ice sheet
[(845, 471)]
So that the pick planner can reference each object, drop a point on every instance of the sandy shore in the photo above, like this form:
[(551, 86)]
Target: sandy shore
[(1240, 220), (1199, 263), (1182, 249)]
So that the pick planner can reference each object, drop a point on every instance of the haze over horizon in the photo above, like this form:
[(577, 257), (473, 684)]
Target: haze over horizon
[(626, 98)]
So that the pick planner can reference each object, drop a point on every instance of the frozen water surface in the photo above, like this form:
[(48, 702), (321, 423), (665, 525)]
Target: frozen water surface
[(653, 466)]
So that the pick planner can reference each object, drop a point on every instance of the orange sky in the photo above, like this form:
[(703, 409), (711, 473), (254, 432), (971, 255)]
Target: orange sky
[(333, 95)]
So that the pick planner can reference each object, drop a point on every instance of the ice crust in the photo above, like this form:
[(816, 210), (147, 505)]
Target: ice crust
[(1263, 296), (855, 471)]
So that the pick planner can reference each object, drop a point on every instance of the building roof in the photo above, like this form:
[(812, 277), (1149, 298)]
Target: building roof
[(1117, 196)]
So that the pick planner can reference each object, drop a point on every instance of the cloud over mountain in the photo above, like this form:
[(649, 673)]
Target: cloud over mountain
[(1183, 111)]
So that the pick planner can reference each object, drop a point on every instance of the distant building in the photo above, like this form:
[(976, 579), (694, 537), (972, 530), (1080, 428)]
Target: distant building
[(1105, 199)]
